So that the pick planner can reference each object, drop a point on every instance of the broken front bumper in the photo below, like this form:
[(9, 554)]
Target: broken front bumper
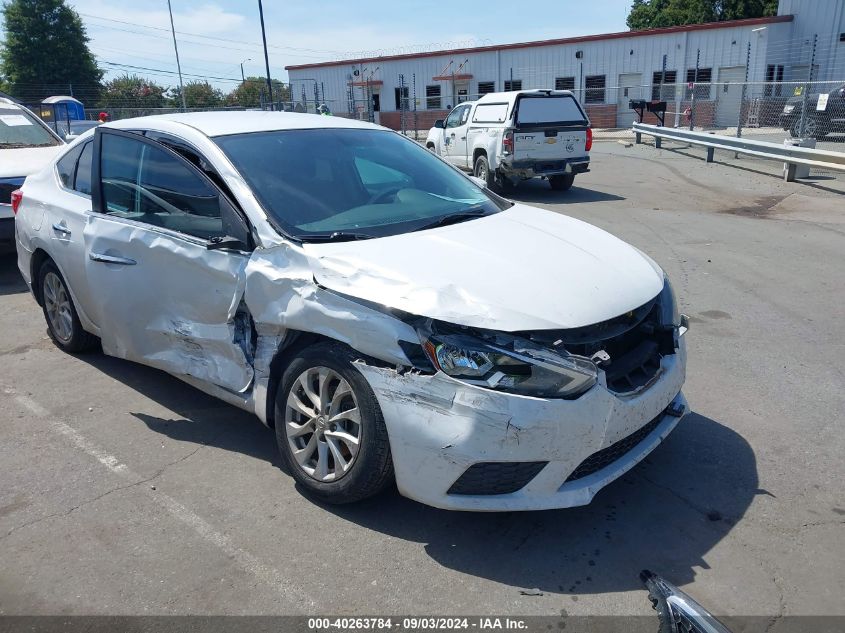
[(559, 453)]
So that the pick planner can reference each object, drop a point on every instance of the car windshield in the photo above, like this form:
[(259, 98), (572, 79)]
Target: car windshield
[(352, 183), (18, 128)]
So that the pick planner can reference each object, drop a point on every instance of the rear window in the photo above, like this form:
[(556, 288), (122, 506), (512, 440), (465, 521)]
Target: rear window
[(18, 128), (490, 113), (563, 110)]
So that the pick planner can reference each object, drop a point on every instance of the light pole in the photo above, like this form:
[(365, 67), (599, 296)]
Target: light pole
[(178, 65), (266, 57), (243, 79)]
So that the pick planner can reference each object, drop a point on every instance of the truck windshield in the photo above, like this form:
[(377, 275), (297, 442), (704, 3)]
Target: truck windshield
[(335, 182), (18, 128), (548, 110)]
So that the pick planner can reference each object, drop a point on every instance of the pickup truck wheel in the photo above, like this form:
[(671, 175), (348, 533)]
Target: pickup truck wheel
[(430, 146), (329, 427), (562, 182), (481, 169)]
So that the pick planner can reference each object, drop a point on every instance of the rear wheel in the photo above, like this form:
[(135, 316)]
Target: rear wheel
[(481, 169), (329, 427), (813, 128), (60, 313), (562, 182)]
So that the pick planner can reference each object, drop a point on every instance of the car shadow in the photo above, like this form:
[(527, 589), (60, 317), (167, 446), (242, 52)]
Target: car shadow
[(666, 514), (536, 190), (11, 281)]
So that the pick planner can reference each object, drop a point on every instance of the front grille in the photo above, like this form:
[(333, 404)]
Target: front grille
[(617, 450), (495, 478)]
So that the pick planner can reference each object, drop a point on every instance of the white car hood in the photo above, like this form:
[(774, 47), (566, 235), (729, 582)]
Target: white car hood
[(19, 163), (521, 269)]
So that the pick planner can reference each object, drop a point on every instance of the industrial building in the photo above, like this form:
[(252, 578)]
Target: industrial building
[(725, 61)]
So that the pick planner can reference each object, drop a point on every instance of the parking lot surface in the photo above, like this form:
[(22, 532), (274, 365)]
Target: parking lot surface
[(125, 491)]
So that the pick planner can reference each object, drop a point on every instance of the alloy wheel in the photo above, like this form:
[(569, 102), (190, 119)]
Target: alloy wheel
[(57, 306), (323, 424)]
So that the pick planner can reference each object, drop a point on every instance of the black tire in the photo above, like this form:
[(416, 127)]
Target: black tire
[(75, 339), (481, 169), (562, 182), (813, 128), (371, 470), (430, 147)]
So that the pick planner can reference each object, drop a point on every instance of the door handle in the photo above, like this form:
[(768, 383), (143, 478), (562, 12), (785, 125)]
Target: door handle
[(111, 259), (61, 228)]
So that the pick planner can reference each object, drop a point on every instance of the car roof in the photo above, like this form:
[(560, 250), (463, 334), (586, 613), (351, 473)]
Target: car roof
[(241, 122)]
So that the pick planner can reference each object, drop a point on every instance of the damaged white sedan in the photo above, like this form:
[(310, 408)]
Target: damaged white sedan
[(388, 316)]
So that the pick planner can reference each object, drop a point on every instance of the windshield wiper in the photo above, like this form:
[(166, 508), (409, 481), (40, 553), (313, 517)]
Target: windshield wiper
[(335, 236), (454, 218)]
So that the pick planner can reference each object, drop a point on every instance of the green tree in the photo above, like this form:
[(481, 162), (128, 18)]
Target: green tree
[(198, 94), (46, 51), (248, 94), (132, 91), (650, 14)]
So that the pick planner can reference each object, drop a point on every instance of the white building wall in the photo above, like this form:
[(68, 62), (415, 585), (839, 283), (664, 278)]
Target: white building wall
[(722, 49)]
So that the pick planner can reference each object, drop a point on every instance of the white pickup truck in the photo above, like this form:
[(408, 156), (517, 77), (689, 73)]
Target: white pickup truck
[(505, 137)]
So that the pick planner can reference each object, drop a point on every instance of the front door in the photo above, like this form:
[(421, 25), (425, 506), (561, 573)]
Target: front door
[(630, 87), (729, 95), (455, 135), (161, 295)]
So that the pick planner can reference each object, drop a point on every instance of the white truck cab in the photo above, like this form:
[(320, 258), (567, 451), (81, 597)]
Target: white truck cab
[(505, 137)]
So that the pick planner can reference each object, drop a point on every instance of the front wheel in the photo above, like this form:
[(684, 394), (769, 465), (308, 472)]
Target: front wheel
[(329, 427), (562, 182)]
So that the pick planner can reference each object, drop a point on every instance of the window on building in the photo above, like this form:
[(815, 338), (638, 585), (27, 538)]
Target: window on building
[(702, 80), (513, 84), (595, 85), (400, 94), (565, 83), (774, 81), (432, 98), (667, 80), (486, 87)]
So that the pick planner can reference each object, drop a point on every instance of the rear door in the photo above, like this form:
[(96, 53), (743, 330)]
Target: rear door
[(549, 128), (163, 294)]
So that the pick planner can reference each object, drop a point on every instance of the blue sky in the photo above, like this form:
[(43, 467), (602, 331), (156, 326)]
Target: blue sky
[(225, 32)]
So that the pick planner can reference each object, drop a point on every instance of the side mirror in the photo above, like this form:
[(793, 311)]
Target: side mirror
[(439, 123)]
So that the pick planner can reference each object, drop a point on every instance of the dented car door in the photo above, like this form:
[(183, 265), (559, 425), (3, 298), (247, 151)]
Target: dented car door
[(169, 273)]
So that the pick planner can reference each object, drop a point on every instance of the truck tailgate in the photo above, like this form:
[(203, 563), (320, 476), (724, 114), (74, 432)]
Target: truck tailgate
[(549, 144)]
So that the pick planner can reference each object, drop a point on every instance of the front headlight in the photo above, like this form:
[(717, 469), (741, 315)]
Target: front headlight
[(787, 109), (521, 368)]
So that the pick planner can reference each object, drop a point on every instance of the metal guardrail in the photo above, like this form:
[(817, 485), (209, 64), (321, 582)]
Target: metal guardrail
[(789, 155)]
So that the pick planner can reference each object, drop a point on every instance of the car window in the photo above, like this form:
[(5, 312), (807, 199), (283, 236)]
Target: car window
[(371, 182), (82, 182), (66, 166), (465, 114), (19, 128), (548, 110), (454, 118), (148, 184), (490, 113)]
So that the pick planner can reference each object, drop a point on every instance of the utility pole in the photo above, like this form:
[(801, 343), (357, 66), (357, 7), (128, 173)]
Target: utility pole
[(243, 79), (266, 56), (178, 65)]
